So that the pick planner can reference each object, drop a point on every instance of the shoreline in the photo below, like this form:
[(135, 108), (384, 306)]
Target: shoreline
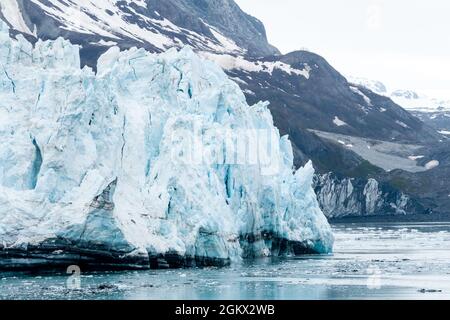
[(433, 217)]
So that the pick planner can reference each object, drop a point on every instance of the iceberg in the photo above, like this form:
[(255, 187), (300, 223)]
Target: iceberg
[(142, 164)]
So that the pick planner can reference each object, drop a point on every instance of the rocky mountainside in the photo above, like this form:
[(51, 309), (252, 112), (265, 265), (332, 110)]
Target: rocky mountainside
[(342, 197), (305, 91), (344, 127)]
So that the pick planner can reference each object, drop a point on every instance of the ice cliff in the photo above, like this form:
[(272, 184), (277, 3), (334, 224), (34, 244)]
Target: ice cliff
[(102, 169)]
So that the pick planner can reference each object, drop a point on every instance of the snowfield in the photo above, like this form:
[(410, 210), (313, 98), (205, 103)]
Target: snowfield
[(109, 20), (229, 62), (338, 122), (407, 99), (91, 168)]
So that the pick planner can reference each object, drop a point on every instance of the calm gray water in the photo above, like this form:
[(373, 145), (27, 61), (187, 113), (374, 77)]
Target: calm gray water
[(371, 261)]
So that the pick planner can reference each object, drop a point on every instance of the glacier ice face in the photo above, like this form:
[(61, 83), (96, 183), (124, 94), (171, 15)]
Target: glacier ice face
[(103, 169)]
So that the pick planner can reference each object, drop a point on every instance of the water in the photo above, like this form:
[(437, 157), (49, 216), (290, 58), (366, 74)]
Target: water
[(371, 261)]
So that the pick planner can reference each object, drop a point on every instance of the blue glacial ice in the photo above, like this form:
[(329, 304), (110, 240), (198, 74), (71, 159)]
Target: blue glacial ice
[(103, 169)]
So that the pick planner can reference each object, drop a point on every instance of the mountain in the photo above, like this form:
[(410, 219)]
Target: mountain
[(429, 188), (303, 89), (345, 128), (432, 111), (408, 99), (102, 170), (211, 25), (315, 96)]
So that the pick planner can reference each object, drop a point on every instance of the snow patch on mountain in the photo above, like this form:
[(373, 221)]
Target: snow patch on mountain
[(227, 45), (105, 43), (113, 21), (101, 17), (11, 12), (408, 99), (402, 124), (338, 122), (375, 86), (358, 92), (432, 164), (420, 103), (229, 62)]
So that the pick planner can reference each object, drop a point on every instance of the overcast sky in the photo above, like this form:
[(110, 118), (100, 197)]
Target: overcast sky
[(403, 43)]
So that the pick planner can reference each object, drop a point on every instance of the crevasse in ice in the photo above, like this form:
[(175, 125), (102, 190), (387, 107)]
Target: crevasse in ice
[(109, 168)]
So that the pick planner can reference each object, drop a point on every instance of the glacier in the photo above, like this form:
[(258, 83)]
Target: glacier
[(94, 168)]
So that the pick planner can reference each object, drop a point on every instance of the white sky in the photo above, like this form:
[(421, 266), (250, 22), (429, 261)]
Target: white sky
[(403, 43)]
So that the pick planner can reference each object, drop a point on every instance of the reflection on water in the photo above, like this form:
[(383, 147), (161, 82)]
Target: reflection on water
[(371, 261)]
